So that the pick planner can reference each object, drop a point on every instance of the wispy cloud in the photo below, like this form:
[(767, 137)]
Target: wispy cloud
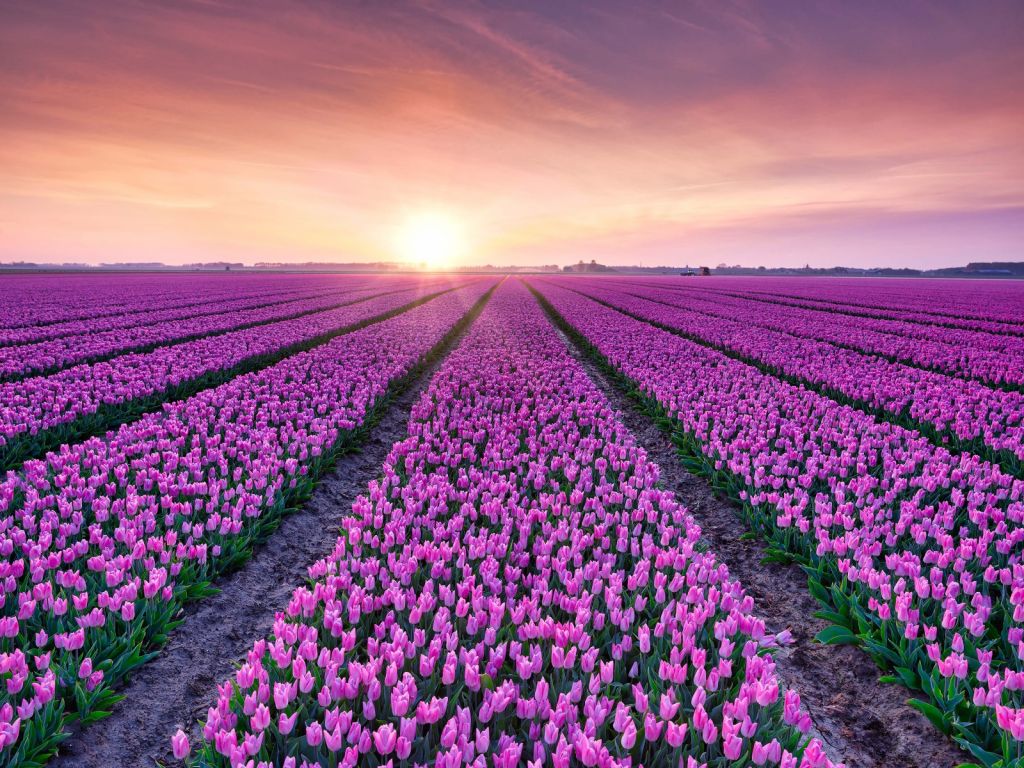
[(669, 129)]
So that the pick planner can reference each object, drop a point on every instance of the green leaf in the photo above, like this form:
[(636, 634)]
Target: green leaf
[(834, 618), (836, 636), (840, 599), (926, 680), (933, 713), (883, 651), (988, 759), (773, 555), (820, 593), (909, 677)]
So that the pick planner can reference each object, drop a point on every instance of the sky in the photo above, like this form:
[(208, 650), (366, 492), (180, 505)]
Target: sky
[(778, 133)]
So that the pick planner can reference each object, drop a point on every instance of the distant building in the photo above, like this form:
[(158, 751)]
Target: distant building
[(705, 272), (996, 268), (583, 267)]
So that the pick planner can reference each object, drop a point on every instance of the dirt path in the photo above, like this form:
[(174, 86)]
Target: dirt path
[(862, 722), (176, 688)]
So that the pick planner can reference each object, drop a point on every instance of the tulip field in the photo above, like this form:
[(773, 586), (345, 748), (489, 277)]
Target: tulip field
[(514, 584)]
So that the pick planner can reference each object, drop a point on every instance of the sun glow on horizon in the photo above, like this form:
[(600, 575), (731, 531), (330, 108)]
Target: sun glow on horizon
[(431, 239), (450, 135)]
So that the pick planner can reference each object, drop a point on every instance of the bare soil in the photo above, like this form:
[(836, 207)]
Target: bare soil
[(175, 689), (860, 721)]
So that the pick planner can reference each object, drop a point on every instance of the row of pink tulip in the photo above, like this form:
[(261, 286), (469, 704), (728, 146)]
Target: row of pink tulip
[(992, 305), (34, 405), (798, 317), (105, 539), (32, 334), (926, 320), (20, 361), (515, 590), (969, 413), (40, 300), (923, 548), (994, 359)]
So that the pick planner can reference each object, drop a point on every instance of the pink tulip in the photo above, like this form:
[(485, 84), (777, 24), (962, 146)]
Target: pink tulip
[(512, 436), (384, 739), (179, 745)]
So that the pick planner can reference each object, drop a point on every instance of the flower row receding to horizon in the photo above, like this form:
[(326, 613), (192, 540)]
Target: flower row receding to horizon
[(103, 541), (515, 590), (923, 547)]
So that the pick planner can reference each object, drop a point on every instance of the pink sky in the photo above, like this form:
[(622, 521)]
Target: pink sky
[(865, 134)]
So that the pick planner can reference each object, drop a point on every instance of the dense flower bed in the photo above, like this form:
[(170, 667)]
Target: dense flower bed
[(40, 403), (48, 356), (36, 333), (995, 359), (916, 551), (798, 317), (972, 414), (516, 590), (993, 305), (985, 306), (41, 300), (104, 540)]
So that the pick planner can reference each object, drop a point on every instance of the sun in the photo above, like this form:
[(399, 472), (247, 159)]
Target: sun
[(431, 240)]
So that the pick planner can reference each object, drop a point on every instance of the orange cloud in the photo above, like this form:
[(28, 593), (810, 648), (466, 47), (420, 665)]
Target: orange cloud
[(266, 130)]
